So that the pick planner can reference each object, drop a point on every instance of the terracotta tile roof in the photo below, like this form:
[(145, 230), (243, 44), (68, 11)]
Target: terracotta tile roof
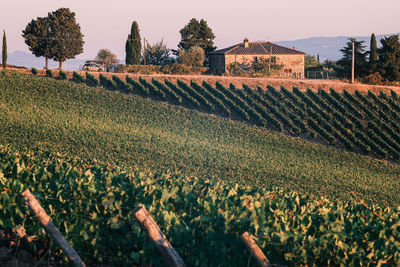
[(256, 48)]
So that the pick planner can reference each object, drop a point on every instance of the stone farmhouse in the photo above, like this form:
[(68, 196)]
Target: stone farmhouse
[(248, 52)]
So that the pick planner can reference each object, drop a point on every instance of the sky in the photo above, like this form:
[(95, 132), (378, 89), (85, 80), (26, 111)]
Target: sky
[(106, 24)]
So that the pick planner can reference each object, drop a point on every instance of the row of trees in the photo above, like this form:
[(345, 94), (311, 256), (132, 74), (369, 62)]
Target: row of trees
[(57, 36), (374, 65), (383, 61), (195, 36)]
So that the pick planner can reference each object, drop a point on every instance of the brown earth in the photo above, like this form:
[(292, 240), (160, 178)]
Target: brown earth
[(303, 85)]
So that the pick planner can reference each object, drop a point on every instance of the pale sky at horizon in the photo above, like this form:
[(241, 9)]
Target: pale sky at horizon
[(106, 24)]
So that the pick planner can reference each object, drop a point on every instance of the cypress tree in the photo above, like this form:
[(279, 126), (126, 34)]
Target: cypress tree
[(373, 54), (4, 50), (133, 46)]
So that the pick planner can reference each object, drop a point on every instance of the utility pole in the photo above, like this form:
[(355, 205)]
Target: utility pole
[(352, 65)]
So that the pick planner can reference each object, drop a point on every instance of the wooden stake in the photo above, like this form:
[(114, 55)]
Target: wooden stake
[(51, 229), (163, 246), (255, 250)]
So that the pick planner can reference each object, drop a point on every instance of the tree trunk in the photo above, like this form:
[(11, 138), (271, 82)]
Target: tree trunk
[(47, 63), (60, 67)]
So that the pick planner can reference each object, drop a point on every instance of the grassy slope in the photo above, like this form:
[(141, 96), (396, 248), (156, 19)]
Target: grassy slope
[(61, 116)]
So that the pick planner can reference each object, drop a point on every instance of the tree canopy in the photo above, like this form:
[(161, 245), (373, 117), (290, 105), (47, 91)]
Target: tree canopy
[(197, 33), (107, 58), (389, 58), (133, 46), (193, 57), (157, 54), (38, 37), (360, 58), (57, 36)]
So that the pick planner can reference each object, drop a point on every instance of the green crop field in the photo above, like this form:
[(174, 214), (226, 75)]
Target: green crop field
[(133, 132)]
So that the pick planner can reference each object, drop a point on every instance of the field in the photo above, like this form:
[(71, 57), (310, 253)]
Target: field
[(135, 132), (99, 154)]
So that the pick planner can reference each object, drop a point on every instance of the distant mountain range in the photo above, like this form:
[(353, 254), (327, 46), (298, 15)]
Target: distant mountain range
[(326, 47)]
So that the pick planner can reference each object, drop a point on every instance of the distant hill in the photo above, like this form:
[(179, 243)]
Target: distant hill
[(326, 47), (28, 60)]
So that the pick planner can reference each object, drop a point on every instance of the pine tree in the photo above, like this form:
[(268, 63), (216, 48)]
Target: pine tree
[(389, 58), (4, 51), (373, 54), (360, 61), (133, 46)]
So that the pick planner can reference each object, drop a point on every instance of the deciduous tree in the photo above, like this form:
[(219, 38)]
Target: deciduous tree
[(157, 54), (66, 35), (39, 39), (193, 57), (107, 58), (133, 46)]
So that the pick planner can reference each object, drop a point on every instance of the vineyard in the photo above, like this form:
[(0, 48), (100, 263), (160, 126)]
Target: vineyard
[(92, 204), (135, 132), (367, 124)]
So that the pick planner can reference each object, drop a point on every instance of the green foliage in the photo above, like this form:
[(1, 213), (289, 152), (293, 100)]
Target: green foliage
[(63, 75), (389, 58), (77, 77), (107, 58), (38, 37), (360, 58), (49, 73), (157, 54), (311, 61), (373, 54), (66, 36), (93, 205), (193, 57), (34, 71), (91, 80), (72, 118), (133, 46), (4, 51), (137, 86), (197, 33), (123, 86), (107, 83)]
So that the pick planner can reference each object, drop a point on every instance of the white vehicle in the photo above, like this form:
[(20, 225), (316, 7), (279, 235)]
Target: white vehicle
[(92, 66)]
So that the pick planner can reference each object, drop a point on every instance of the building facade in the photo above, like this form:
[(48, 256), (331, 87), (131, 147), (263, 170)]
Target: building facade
[(246, 53)]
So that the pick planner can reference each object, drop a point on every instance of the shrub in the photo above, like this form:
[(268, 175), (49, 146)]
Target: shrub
[(121, 68), (62, 75), (143, 69), (107, 83), (194, 57), (77, 77), (49, 73), (122, 85), (34, 71), (91, 80), (374, 78)]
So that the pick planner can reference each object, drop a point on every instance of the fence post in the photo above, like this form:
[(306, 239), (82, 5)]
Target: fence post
[(163, 246), (255, 250), (51, 229)]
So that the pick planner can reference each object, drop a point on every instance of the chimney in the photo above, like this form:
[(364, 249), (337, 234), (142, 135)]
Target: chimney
[(294, 48), (246, 42)]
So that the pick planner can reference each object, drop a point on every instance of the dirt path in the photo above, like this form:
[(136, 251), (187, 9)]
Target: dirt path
[(252, 82)]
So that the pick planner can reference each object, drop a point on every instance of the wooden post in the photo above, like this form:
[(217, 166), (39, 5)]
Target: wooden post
[(255, 250), (164, 247), (51, 229)]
